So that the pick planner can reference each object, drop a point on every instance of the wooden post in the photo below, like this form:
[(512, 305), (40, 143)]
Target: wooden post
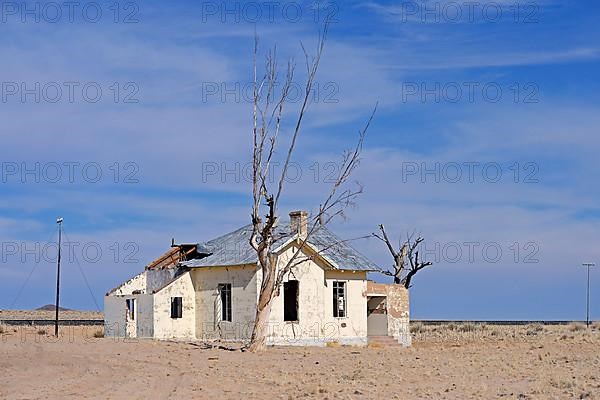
[(59, 222)]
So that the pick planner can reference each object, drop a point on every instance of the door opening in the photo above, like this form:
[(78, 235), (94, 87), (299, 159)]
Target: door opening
[(290, 301)]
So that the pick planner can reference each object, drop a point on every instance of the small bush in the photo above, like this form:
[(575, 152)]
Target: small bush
[(576, 327), (451, 326), (417, 328), (99, 333), (468, 327), (534, 329)]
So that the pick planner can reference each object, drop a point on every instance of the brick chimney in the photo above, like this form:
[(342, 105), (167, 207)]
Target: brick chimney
[(299, 222)]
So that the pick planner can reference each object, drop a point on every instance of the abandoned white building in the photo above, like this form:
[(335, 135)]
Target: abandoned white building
[(209, 291)]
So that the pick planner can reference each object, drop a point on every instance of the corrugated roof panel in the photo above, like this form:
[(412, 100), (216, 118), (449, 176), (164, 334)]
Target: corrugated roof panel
[(234, 249)]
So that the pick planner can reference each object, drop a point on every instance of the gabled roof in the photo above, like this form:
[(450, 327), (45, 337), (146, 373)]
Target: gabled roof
[(234, 249)]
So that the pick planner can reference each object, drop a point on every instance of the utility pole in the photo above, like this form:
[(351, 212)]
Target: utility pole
[(59, 221), (588, 265)]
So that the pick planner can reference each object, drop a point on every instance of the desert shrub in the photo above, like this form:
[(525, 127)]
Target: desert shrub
[(451, 326), (417, 327), (576, 327), (596, 325), (99, 333), (41, 331), (534, 329), (468, 327)]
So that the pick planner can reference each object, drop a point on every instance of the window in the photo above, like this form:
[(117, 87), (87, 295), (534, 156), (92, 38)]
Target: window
[(176, 307), (225, 294), (339, 299), (290, 301), (130, 308)]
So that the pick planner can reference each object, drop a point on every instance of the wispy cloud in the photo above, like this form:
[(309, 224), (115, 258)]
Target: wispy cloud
[(172, 132)]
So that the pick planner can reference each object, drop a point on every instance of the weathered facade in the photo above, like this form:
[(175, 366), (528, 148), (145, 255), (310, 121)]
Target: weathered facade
[(210, 291)]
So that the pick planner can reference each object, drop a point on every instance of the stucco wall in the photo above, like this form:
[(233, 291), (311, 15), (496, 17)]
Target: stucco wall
[(166, 327), (398, 309), (243, 281), (143, 285), (116, 323), (136, 283), (399, 314), (316, 324), (356, 320)]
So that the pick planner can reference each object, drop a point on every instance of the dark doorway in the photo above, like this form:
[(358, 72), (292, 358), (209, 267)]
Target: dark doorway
[(290, 301)]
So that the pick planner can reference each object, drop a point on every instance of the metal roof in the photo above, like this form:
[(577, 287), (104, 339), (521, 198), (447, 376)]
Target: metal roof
[(234, 249)]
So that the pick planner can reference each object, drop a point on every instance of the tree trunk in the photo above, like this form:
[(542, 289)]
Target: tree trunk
[(259, 333), (408, 279), (399, 267), (263, 308)]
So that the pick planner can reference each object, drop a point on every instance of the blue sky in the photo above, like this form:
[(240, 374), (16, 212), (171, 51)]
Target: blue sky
[(501, 104)]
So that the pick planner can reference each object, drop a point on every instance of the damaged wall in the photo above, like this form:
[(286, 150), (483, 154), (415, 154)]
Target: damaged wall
[(166, 327), (316, 324), (140, 288), (398, 309), (244, 296), (137, 283)]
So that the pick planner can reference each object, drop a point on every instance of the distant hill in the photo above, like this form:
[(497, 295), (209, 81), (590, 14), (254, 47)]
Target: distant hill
[(51, 307)]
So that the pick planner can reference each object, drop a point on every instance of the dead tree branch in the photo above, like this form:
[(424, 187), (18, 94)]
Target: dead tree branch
[(406, 259), (267, 113)]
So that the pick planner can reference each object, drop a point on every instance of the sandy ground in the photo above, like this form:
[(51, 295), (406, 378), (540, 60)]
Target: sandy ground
[(449, 362)]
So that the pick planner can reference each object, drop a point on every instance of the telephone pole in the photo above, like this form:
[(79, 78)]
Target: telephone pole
[(587, 318), (59, 221)]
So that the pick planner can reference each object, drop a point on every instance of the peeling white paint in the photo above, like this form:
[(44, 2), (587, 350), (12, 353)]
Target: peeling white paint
[(202, 319)]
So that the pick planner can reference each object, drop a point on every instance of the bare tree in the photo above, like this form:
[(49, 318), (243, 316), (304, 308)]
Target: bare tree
[(406, 260), (268, 111)]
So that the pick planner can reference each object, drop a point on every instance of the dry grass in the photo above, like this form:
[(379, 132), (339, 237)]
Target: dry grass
[(32, 314), (535, 329), (468, 327), (576, 327), (468, 332), (417, 327)]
